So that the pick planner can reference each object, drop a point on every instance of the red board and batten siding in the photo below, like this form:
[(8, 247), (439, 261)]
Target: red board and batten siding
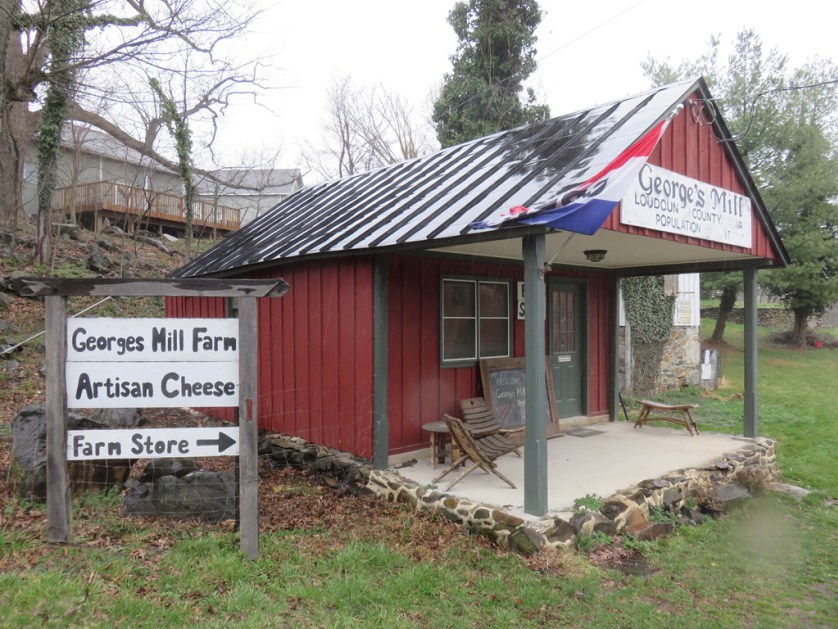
[(316, 348), (690, 148), (420, 390), (315, 352)]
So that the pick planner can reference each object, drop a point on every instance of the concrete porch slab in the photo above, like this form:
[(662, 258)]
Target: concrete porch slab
[(604, 463)]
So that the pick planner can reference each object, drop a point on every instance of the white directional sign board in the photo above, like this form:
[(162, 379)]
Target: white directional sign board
[(151, 385), (151, 443), (152, 340), (152, 363)]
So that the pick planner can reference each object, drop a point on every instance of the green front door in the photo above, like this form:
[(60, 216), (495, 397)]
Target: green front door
[(566, 347)]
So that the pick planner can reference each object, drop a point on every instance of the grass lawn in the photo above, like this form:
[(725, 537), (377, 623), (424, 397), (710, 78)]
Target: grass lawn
[(798, 405), (773, 563)]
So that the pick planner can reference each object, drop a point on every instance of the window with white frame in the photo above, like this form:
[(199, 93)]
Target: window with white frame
[(475, 319)]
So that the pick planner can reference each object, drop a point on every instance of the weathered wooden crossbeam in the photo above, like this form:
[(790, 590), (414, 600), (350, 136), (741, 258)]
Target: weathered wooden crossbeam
[(135, 287)]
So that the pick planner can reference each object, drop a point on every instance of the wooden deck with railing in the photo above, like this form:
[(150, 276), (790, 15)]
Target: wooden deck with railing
[(105, 198)]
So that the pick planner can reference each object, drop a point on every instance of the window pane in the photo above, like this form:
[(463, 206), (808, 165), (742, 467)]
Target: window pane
[(457, 298), (555, 323), (494, 300), (494, 338), (566, 322), (458, 339)]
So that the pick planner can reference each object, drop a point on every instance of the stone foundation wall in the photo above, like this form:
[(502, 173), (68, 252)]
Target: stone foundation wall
[(681, 359), (626, 511)]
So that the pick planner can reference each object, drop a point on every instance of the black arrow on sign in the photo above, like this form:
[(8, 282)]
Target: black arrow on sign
[(223, 442)]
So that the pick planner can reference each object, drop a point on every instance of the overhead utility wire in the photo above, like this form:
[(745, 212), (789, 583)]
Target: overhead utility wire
[(595, 28), (698, 118)]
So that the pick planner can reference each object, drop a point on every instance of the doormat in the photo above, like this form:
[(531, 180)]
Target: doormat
[(584, 432)]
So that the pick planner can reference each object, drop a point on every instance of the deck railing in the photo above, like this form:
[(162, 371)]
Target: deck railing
[(149, 204)]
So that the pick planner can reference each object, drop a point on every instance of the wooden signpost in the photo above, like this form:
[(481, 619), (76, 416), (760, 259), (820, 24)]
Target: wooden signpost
[(142, 363)]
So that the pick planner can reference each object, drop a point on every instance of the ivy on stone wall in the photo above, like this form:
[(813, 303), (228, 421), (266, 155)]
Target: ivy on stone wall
[(649, 314)]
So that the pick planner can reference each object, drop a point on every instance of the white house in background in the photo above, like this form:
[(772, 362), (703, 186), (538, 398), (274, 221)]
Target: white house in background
[(100, 179), (251, 190), (681, 362), (89, 156)]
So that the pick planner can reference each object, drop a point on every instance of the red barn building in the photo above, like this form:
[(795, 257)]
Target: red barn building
[(396, 296)]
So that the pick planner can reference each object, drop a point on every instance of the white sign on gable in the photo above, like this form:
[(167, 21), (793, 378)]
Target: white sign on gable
[(152, 340), (665, 201)]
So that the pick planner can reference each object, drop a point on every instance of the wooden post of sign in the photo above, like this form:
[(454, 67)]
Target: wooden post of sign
[(248, 429), (58, 490)]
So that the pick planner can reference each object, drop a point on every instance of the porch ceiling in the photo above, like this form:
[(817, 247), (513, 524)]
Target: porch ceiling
[(615, 458), (624, 251)]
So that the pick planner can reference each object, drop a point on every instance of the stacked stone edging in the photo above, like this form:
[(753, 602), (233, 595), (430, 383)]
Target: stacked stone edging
[(628, 510), (681, 358)]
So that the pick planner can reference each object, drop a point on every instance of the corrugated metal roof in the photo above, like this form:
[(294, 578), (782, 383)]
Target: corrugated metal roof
[(436, 197)]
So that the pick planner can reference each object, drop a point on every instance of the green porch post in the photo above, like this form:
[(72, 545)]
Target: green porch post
[(751, 416), (535, 447), (380, 425)]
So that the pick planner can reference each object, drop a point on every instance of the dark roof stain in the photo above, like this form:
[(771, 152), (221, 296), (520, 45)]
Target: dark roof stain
[(434, 198)]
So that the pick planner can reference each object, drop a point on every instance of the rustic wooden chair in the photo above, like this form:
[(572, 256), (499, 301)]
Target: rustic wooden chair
[(481, 422), (480, 454)]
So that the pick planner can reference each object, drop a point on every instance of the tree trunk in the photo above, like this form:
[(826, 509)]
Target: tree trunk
[(11, 175), (646, 368), (17, 123), (726, 304), (801, 326), (43, 244)]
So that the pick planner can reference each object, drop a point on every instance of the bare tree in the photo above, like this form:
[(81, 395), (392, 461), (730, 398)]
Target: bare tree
[(366, 128), (123, 45)]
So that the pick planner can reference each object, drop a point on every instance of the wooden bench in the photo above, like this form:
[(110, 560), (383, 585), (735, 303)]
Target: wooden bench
[(666, 413)]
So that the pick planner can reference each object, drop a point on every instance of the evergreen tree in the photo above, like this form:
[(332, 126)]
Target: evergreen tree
[(785, 127), (495, 55), (803, 203)]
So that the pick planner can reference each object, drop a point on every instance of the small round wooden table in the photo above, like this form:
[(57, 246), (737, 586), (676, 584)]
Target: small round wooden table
[(438, 431)]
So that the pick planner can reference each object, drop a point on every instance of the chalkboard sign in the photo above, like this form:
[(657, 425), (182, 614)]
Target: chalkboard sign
[(504, 387)]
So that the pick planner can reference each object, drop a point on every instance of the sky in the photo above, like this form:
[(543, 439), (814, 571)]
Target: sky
[(588, 53)]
